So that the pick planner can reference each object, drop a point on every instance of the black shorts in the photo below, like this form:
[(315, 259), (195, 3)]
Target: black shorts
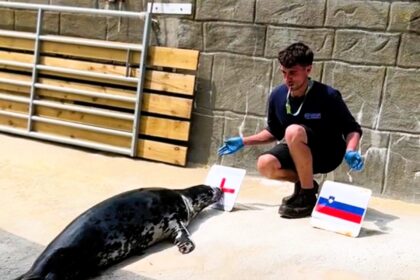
[(325, 157)]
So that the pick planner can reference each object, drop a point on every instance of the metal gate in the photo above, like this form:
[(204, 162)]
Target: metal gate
[(35, 67)]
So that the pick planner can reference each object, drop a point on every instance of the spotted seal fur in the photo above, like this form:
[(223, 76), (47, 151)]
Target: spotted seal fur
[(119, 227)]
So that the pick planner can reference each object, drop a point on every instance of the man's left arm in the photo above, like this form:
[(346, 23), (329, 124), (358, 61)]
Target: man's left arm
[(352, 132), (352, 141)]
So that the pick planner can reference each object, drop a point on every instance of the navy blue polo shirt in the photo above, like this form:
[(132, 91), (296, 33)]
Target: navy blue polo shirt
[(323, 110)]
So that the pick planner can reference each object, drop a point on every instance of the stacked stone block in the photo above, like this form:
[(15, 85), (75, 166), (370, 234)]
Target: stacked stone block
[(369, 50)]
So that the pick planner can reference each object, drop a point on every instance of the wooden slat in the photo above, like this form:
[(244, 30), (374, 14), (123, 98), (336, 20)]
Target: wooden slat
[(171, 57), (167, 105), (13, 122), (155, 80), (152, 103), (16, 43), (169, 153), (157, 56), (171, 82), (170, 129), (11, 106)]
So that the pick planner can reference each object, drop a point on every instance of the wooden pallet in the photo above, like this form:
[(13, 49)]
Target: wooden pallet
[(166, 103)]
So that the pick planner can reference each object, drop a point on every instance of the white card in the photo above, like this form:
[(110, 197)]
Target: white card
[(341, 208), (228, 179)]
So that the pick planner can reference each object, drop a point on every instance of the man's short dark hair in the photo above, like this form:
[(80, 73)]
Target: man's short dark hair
[(296, 54)]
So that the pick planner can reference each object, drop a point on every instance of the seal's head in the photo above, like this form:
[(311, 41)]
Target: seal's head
[(201, 196)]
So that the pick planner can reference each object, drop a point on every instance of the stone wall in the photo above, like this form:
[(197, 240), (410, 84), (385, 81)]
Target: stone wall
[(369, 50)]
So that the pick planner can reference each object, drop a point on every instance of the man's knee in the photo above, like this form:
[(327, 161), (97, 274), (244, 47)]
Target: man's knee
[(267, 165), (295, 133)]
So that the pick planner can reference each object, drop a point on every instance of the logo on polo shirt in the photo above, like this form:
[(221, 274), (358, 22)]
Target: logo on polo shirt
[(312, 116)]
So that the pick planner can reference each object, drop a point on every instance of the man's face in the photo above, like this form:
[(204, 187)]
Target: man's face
[(295, 77)]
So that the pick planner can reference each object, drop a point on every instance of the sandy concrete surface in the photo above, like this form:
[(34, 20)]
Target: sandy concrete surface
[(44, 186)]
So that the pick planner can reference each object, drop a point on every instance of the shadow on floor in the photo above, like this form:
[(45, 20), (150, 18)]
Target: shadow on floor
[(379, 220)]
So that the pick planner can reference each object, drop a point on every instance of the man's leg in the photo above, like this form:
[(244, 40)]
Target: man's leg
[(297, 141), (269, 166)]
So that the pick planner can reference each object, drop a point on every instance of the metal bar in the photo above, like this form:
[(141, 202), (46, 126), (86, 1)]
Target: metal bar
[(90, 42), (85, 93), (14, 114), (82, 126), (13, 98), (15, 82), (73, 40), (93, 111), (140, 83), (64, 140), (34, 69), (17, 34), (86, 73), (71, 9), (127, 63), (16, 63)]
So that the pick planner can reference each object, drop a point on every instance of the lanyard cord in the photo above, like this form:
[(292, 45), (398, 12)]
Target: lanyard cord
[(289, 108)]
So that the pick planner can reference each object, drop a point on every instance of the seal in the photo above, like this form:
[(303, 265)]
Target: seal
[(119, 227)]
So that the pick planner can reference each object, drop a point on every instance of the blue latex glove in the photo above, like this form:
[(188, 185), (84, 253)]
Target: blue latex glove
[(232, 145), (354, 160)]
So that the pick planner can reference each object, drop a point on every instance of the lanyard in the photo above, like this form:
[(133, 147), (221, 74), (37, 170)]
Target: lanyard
[(289, 108)]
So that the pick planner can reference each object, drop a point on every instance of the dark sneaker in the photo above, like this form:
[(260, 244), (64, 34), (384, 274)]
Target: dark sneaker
[(301, 206), (290, 198)]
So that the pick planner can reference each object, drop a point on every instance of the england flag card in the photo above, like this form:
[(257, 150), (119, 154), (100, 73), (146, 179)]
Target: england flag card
[(341, 208), (229, 180)]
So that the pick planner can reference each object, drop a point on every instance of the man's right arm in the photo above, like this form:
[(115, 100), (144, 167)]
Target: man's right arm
[(234, 144), (263, 137)]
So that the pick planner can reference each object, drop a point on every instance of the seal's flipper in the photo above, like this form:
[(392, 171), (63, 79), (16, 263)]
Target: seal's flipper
[(25, 277), (52, 276), (181, 238)]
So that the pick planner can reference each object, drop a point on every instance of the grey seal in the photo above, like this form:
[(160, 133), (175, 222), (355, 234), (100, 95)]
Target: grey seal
[(119, 227)]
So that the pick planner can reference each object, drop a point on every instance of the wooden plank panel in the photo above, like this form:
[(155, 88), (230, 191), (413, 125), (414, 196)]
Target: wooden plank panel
[(154, 103), (14, 88), (13, 122), (172, 82), (16, 43), (171, 57), (12, 106), (170, 129), (167, 105), (169, 153), (157, 56), (155, 80)]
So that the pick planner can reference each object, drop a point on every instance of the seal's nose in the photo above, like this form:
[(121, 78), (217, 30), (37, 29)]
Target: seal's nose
[(217, 194)]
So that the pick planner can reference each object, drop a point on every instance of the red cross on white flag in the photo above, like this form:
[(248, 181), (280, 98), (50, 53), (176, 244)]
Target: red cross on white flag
[(229, 180)]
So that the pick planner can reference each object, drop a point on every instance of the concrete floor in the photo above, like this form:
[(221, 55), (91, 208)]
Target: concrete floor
[(44, 186)]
